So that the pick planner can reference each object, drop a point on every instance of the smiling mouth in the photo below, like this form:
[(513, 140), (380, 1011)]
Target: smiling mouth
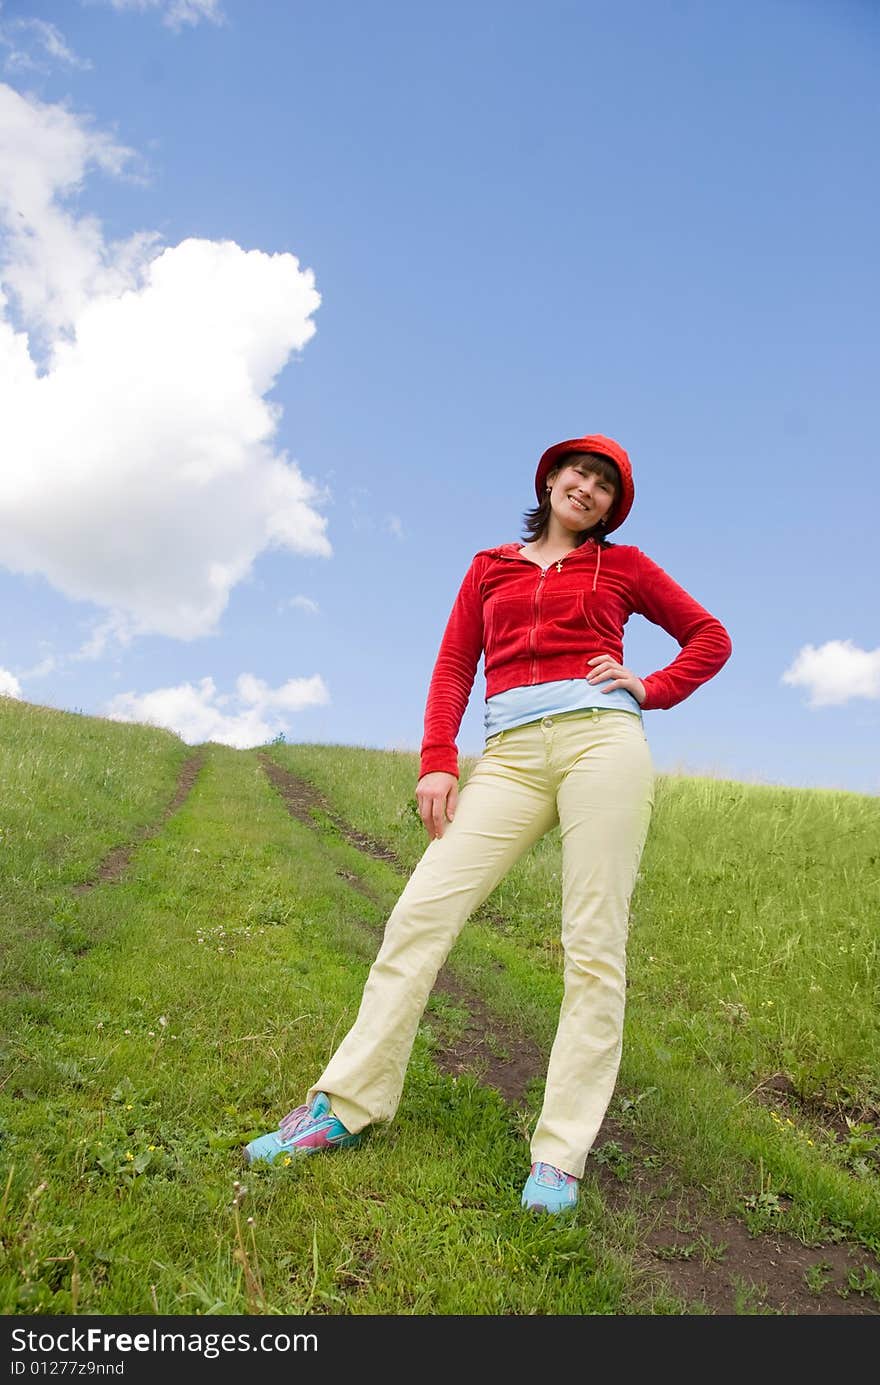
[(577, 504)]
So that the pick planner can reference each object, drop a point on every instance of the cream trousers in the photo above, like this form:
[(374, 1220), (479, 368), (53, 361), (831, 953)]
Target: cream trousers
[(590, 772)]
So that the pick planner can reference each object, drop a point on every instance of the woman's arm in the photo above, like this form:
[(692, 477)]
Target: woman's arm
[(705, 644), (453, 676)]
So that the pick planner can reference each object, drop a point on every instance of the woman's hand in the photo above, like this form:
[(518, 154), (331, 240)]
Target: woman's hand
[(606, 667), (437, 796)]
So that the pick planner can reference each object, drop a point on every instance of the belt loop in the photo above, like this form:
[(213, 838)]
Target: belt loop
[(595, 714)]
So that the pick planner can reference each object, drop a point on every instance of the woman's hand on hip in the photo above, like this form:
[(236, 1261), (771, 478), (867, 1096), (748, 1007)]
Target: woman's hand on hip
[(604, 667), (437, 796)]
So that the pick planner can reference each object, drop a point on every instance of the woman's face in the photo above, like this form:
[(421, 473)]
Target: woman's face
[(579, 498)]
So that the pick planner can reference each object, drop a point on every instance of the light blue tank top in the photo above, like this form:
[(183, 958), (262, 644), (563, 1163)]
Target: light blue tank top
[(519, 706)]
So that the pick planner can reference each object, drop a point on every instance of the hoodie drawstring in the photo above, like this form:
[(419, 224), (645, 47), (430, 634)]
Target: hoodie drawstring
[(598, 561)]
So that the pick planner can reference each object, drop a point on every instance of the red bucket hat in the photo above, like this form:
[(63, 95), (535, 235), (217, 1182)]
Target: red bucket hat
[(593, 442)]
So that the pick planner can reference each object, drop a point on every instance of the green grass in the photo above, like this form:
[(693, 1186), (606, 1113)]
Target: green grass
[(71, 788), (153, 1025), (222, 973)]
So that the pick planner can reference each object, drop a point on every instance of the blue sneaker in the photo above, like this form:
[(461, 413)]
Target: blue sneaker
[(549, 1189), (306, 1130)]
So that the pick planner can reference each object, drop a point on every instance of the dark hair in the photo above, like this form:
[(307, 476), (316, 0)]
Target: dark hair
[(536, 521)]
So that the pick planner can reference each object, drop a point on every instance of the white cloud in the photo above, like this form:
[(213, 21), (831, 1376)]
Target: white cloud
[(175, 13), (140, 469), (52, 262), (835, 673), (361, 519), (17, 34), (292, 696), (45, 666), (251, 716), (116, 629), (302, 603), (9, 684)]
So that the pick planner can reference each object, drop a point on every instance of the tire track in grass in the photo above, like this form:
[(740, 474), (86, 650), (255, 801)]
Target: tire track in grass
[(709, 1261), (510, 1075), (115, 863)]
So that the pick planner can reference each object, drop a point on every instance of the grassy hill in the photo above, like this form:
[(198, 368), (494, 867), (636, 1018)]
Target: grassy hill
[(185, 941)]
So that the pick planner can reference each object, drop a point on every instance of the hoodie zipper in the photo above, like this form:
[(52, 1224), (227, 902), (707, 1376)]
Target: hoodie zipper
[(536, 607)]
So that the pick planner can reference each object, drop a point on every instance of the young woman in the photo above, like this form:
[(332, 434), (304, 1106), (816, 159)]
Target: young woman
[(565, 745)]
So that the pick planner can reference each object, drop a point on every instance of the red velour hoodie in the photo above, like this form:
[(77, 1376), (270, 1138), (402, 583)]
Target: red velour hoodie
[(535, 627)]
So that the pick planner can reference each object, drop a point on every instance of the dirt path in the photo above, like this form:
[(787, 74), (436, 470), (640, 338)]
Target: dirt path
[(114, 864), (709, 1261)]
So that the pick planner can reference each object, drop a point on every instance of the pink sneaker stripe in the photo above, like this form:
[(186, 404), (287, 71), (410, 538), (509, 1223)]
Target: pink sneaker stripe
[(315, 1139)]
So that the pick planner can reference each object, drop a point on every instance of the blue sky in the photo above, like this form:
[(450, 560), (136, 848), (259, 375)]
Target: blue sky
[(296, 295)]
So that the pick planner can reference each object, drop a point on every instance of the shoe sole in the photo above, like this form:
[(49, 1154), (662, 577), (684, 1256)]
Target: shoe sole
[(548, 1211)]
